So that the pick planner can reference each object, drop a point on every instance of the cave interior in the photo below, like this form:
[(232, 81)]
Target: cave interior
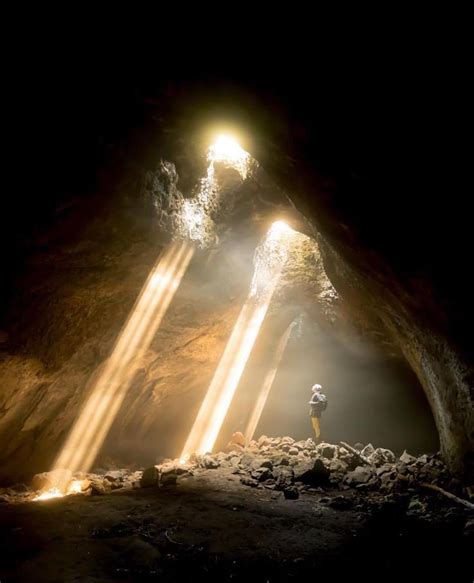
[(100, 373)]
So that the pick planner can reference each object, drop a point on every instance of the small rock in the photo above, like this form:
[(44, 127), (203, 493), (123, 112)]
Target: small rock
[(337, 465), (280, 461), (386, 468), (168, 479), (238, 438), (381, 456), (258, 463), (98, 488), (114, 476), (284, 477), (368, 450), (262, 474), (168, 475), (262, 440), (361, 475), (150, 477), (209, 462), (288, 440), (291, 493), (293, 451), (406, 458), (309, 443), (246, 460)]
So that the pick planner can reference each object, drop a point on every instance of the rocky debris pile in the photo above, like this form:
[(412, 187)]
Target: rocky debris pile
[(292, 467), (282, 464), (58, 483)]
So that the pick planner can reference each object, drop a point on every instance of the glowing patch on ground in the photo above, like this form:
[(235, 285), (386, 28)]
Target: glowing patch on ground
[(52, 493)]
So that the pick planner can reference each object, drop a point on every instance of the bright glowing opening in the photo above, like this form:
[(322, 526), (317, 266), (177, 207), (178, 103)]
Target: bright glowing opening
[(225, 149), (194, 221), (270, 258), (280, 228)]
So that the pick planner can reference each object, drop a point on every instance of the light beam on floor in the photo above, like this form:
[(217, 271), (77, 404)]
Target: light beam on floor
[(112, 383), (267, 385), (270, 258)]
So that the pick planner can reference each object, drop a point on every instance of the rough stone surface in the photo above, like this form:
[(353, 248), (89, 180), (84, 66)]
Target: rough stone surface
[(55, 479), (150, 477)]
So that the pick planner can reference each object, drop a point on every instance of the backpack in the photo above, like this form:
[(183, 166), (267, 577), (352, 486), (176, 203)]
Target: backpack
[(320, 405)]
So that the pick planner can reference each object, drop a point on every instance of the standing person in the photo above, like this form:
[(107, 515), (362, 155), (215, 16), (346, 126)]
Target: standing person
[(317, 404)]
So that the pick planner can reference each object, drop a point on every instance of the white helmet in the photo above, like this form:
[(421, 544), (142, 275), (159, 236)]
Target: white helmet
[(315, 388)]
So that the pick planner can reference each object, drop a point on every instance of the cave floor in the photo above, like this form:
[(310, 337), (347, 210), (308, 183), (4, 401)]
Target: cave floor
[(212, 527)]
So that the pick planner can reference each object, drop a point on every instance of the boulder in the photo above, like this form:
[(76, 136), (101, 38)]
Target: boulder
[(327, 450), (312, 473), (55, 479)]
